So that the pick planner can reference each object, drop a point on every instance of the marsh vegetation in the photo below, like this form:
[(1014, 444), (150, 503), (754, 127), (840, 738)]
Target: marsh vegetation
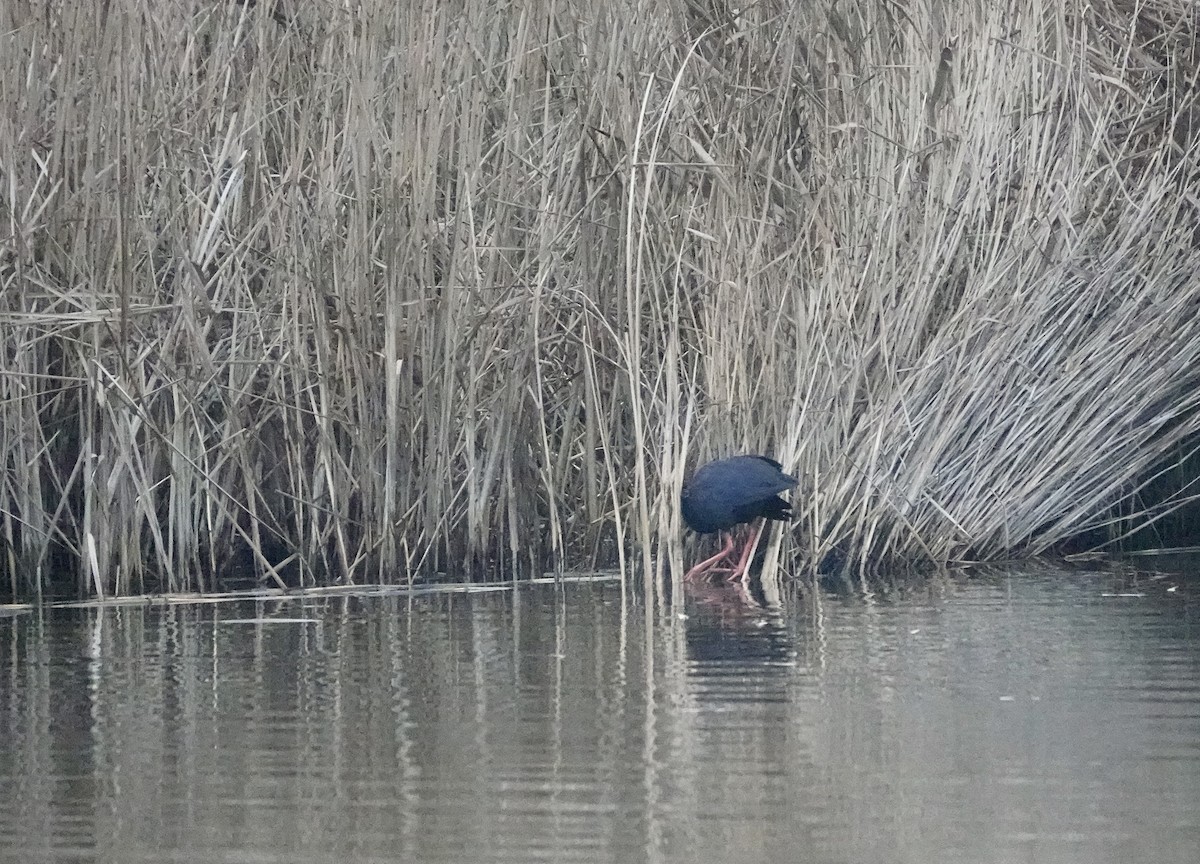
[(367, 292)]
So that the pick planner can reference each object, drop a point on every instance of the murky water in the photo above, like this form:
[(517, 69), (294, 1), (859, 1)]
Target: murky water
[(1021, 717)]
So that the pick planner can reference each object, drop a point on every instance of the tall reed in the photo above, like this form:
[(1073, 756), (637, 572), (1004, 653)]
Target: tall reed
[(381, 291)]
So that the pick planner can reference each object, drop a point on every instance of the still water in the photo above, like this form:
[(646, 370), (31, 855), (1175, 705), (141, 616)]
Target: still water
[(1021, 716)]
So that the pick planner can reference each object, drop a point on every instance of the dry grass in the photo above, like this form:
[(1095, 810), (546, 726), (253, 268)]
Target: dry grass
[(367, 292)]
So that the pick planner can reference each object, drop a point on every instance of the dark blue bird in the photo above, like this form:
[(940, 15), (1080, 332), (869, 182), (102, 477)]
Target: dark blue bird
[(729, 492)]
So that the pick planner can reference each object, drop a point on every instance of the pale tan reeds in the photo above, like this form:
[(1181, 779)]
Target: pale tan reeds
[(368, 293)]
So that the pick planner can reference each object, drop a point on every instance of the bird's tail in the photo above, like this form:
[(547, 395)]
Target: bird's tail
[(777, 509)]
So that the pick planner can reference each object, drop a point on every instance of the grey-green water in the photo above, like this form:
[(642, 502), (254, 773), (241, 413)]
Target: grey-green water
[(1020, 717)]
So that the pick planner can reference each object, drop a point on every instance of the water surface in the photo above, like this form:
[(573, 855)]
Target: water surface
[(1033, 715)]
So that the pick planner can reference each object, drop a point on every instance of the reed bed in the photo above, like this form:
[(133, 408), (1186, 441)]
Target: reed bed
[(368, 293)]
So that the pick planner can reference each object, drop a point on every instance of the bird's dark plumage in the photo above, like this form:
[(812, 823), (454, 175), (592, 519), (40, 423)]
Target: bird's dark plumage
[(731, 491)]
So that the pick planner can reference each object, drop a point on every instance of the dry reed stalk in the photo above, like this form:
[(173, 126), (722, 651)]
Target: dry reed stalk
[(375, 295)]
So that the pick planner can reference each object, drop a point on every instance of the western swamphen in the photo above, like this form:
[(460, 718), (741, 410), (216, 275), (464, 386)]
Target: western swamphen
[(731, 491)]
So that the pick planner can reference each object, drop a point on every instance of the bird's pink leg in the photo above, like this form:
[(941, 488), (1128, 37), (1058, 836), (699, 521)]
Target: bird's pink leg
[(709, 563), (748, 551), (739, 539)]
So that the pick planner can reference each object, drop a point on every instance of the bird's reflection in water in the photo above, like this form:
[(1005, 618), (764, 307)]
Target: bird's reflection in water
[(732, 623)]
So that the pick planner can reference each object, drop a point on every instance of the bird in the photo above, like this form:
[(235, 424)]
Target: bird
[(729, 492)]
